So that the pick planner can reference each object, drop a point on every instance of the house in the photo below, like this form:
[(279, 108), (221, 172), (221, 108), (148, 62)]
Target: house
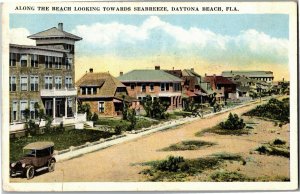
[(223, 87), (266, 76), (156, 83), (43, 74), (194, 85), (104, 93)]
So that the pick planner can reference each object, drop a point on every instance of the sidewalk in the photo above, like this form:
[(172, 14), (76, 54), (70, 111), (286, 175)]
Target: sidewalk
[(132, 136)]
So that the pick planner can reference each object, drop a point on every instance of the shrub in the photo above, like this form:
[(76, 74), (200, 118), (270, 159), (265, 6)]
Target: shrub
[(95, 117), (233, 123), (279, 142), (274, 109), (172, 164)]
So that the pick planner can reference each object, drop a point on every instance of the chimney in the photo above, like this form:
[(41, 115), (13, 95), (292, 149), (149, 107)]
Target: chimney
[(192, 69), (61, 26), (91, 70), (121, 73), (205, 74), (157, 67)]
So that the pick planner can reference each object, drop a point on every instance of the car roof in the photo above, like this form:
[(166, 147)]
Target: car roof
[(39, 145)]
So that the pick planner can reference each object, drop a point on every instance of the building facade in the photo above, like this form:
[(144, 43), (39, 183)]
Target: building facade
[(103, 92), (43, 74), (223, 88), (156, 83)]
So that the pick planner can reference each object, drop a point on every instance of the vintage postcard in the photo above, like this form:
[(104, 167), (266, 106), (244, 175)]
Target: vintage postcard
[(149, 96)]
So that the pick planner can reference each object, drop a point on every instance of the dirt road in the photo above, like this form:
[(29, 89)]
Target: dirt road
[(117, 162)]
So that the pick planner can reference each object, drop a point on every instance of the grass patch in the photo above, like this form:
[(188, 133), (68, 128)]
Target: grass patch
[(188, 145), (226, 176), (62, 140), (123, 125), (277, 147), (179, 169), (218, 130)]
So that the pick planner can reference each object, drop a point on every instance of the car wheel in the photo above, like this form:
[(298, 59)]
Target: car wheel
[(30, 172), (51, 165)]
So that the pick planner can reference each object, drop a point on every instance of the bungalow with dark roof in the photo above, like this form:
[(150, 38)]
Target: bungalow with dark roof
[(156, 83), (104, 93), (223, 87)]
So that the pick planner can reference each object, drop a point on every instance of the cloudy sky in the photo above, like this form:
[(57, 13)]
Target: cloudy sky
[(207, 43)]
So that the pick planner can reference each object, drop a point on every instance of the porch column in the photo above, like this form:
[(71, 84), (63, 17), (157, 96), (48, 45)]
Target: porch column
[(54, 108), (172, 102), (66, 107), (76, 105)]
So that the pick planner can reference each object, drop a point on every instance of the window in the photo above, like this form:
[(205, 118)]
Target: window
[(132, 86), (14, 110), (68, 82), (58, 82), (143, 87), (101, 107), (151, 87), (68, 63), (167, 86), (48, 82), (33, 113), (24, 59), (23, 107), (24, 83), (176, 87), (34, 61), (12, 83), (83, 91), (12, 59), (48, 62), (162, 86), (34, 83), (89, 91), (57, 62)]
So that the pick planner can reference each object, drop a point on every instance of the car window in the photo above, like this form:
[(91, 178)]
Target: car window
[(44, 152)]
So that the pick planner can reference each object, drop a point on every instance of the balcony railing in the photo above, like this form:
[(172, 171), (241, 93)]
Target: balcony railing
[(59, 92)]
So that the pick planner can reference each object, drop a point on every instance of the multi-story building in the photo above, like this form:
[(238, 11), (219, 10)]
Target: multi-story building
[(44, 74), (266, 76), (194, 85), (104, 93), (156, 83), (223, 87)]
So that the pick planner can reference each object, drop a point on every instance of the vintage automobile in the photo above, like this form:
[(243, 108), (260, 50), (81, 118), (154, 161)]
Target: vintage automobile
[(38, 156)]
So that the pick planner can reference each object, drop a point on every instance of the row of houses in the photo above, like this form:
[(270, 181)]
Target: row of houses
[(45, 73)]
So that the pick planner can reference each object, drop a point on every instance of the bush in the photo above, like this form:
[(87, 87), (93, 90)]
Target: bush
[(95, 117), (172, 164), (274, 109), (233, 123), (279, 142)]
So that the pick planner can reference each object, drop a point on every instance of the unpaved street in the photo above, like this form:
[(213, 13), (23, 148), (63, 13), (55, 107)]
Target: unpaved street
[(118, 163)]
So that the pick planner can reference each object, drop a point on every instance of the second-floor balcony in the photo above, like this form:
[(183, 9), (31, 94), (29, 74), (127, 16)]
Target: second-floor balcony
[(58, 92)]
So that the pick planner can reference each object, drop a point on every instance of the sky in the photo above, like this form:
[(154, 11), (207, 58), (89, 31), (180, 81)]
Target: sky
[(208, 43)]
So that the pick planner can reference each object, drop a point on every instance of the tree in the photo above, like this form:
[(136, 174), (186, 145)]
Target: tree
[(85, 108), (155, 108), (191, 106), (132, 118)]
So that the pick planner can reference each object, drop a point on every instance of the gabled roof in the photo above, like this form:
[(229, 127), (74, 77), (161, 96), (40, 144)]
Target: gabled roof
[(107, 83), (148, 75), (248, 73), (54, 33)]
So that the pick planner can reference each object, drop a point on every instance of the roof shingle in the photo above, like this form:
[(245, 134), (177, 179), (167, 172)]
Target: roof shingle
[(54, 33)]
